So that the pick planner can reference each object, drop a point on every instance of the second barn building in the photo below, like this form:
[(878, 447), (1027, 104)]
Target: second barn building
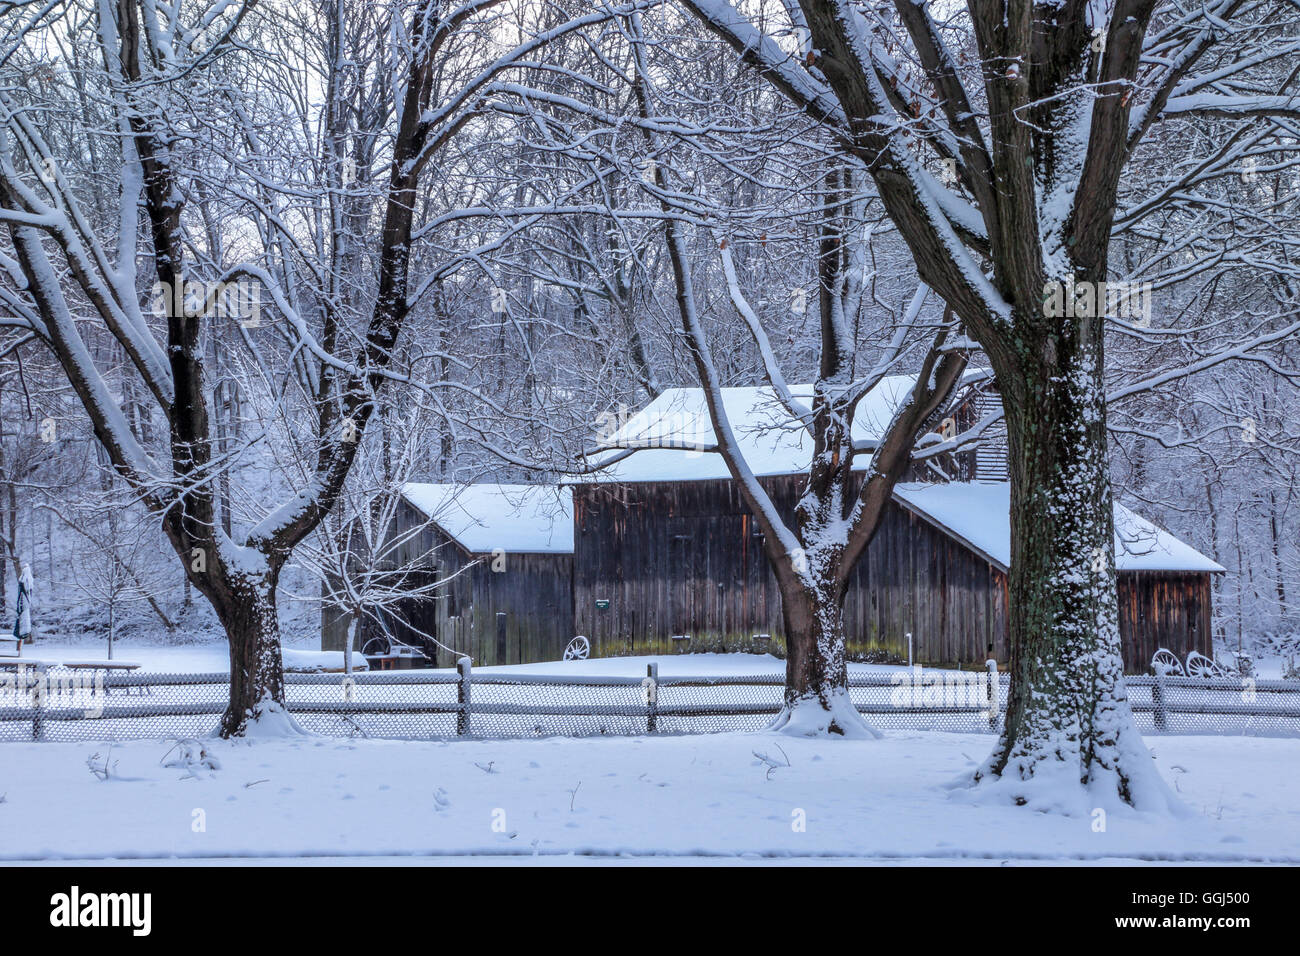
[(501, 557)]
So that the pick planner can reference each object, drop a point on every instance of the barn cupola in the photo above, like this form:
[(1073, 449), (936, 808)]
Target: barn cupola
[(968, 436)]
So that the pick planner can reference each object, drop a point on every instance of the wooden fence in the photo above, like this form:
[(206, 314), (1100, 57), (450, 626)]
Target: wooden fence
[(45, 704)]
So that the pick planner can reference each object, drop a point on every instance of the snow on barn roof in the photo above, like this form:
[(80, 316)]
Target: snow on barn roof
[(518, 519), (978, 514), (673, 431)]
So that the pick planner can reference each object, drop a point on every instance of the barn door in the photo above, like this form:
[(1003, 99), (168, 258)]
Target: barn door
[(682, 576), (416, 619)]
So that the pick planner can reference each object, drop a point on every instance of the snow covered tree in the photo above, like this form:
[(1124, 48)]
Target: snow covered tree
[(149, 54), (684, 150), (1034, 121), (363, 558), (839, 510), (168, 74), (110, 564)]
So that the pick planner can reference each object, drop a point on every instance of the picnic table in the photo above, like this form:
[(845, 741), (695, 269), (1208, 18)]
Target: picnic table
[(17, 663), (102, 665), (108, 667)]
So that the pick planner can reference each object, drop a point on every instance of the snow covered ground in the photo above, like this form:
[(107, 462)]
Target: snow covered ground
[(674, 665), (593, 800), (582, 801), (151, 655), (155, 653)]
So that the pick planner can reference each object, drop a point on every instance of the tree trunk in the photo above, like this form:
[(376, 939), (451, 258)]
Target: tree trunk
[(816, 668), (1277, 557), (1068, 721), (4, 589), (247, 612)]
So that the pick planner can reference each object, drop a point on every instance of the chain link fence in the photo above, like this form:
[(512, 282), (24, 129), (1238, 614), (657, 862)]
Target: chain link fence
[(1221, 705), (59, 704)]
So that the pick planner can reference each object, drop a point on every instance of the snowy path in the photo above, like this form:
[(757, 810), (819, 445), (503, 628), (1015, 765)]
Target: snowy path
[(671, 799)]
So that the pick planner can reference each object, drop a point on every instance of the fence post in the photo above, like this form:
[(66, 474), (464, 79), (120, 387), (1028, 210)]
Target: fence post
[(464, 669), (995, 693), (652, 697), (1159, 711), (38, 699)]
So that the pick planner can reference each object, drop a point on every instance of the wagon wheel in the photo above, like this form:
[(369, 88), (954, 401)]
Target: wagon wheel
[(1166, 662), (1198, 665), (376, 646), (578, 650)]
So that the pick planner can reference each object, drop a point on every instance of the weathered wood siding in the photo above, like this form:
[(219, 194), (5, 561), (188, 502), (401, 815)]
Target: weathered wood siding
[(686, 558), (533, 591), (914, 578), (1163, 609)]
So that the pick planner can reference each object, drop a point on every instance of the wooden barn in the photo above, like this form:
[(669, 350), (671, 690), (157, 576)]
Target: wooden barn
[(668, 557), (506, 555)]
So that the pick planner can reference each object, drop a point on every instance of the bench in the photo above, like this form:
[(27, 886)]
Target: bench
[(10, 646)]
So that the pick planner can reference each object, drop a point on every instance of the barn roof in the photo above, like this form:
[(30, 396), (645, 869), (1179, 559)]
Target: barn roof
[(977, 513), (518, 519), (671, 436)]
